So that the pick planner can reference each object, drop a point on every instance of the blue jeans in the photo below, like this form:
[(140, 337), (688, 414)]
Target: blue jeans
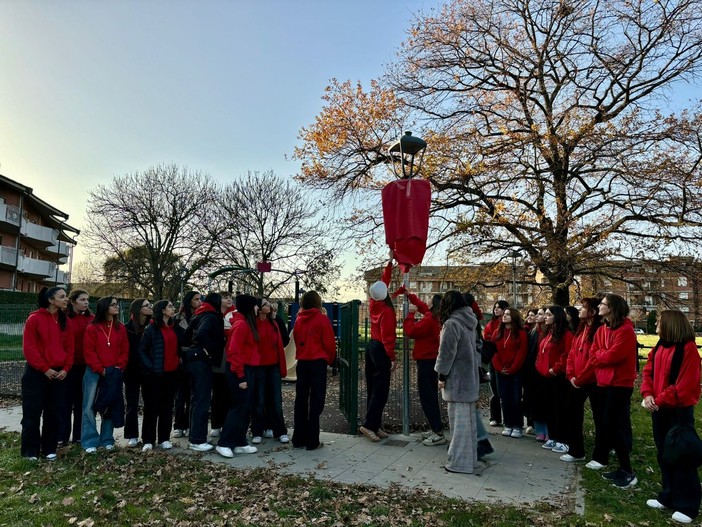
[(89, 435), (265, 380), (200, 399)]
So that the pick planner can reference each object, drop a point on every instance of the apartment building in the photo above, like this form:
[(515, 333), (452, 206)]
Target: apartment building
[(35, 239)]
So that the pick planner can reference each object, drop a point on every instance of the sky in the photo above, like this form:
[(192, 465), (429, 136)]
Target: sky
[(92, 90)]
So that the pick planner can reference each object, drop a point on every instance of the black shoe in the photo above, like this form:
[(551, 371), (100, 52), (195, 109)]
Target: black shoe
[(625, 480), (611, 476)]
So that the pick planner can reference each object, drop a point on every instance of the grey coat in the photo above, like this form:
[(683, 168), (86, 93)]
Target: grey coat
[(458, 359)]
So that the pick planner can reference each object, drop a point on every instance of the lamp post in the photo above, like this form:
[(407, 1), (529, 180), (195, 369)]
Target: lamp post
[(515, 255), (406, 155)]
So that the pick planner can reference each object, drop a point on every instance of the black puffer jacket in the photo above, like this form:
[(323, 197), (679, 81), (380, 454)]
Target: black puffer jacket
[(205, 336), (151, 352)]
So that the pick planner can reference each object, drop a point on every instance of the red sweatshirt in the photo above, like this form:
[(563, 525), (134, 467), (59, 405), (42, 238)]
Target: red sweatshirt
[(491, 328), (686, 390), (579, 365), (98, 354), (170, 349), (552, 354), (78, 324), (511, 351), (382, 318), (314, 336), (425, 332), (241, 346), (45, 345), (614, 355), (270, 347)]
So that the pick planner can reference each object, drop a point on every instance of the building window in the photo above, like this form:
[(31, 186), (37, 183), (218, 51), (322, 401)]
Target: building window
[(649, 300), (682, 281), (685, 309), (683, 296)]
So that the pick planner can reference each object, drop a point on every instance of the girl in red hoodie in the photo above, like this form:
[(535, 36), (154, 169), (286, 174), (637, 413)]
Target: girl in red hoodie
[(581, 376), (105, 347), (425, 333), (511, 341), (380, 354), (315, 349), (491, 327), (614, 357), (80, 316), (47, 344), (550, 365), (671, 399)]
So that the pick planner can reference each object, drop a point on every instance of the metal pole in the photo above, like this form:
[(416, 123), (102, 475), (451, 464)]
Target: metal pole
[(405, 365), (514, 280)]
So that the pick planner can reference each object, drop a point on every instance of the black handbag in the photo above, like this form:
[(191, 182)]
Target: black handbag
[(487, 352), (682, 446)]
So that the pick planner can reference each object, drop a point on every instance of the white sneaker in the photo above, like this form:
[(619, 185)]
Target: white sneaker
[(32, 458), (494, 423), (506, 432), (529, 430), (516, 433), (427, 434), (215, 432), (109, 447), (147, 447), (560, 448), (51, 457), (680, 517), (594, 465), (284, 439), (224, 451), (248, 449), (166, 445), (202, 447), (90, 450), (655, 504), (435, 440), (268, 434), (132, 442), (570, 459), (256, 440), (178, 433)]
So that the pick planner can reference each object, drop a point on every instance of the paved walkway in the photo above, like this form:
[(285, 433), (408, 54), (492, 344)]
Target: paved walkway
[(519, 472)]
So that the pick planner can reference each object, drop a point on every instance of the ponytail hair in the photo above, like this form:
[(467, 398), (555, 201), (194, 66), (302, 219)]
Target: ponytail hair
[(45, 295)]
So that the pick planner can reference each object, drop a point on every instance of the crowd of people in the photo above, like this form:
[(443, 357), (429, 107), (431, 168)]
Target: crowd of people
[(218, 365)]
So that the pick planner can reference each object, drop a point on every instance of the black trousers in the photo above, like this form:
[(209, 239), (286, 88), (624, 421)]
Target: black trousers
[(72, 405), (237, 420), (200, 373), (41, 398), (220, 400), (428, 388), (550, 405), (680, 484), (614, 430), (182, 400), (574, 417), (495, 403), (132, 388), (159, 393), (310, 395), (377, 384)]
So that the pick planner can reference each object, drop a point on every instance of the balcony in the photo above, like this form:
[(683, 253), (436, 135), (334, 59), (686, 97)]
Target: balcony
[(38, 235), (59, 279), (36, 268), (9, 216), (58, 252), (8, 256)]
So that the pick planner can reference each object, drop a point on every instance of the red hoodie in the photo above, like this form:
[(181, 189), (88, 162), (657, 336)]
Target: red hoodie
[(614, 355), (383, 321), (45, 345), (552, 354), (511, 351), (270, 346), (686, 390), (79, 323), (242, 346), (425, 332), (314, 336), (491, 328), (98, 353), (579, 365)]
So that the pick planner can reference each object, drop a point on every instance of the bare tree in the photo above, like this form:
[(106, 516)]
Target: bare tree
[(268, 219), (543, 130), (155, 228)]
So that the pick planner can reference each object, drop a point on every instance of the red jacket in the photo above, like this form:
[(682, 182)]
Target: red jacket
[(553, 355), (425, 332), (314, 336), (686, 390), (511, 351), (45, 345), (382, 318), (270, 347), (491, 328), (614, 355), (579, 365), (78, 325), (98, 354), (242, 346)]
